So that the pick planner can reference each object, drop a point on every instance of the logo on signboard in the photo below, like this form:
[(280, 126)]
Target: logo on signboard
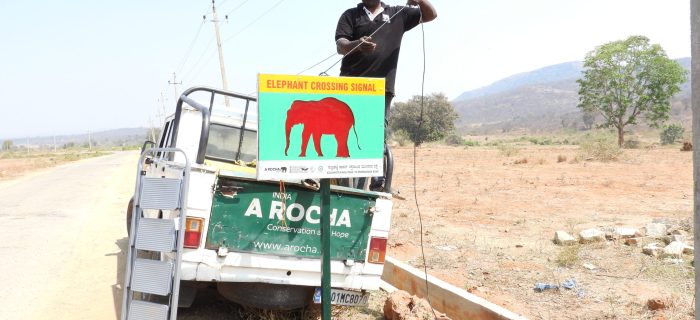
[(328, 116)]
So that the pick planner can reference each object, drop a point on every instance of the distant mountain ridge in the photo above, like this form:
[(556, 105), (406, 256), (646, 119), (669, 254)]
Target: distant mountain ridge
[(541, 100), (553, 73)]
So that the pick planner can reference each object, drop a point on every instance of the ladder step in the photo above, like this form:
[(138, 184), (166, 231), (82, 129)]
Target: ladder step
[(147, 311), (152, 276), (156, 235), (160, 193)]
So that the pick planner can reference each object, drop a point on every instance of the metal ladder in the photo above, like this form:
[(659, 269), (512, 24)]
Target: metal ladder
[(147, 277)]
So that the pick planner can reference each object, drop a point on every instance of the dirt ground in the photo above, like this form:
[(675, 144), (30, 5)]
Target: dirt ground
[(489, 220)]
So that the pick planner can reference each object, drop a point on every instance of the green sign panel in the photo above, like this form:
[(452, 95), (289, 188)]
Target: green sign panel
[(320, 127), (259, 218)]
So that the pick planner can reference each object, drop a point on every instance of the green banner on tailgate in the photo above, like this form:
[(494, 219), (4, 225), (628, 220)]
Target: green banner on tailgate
[(265, 218)]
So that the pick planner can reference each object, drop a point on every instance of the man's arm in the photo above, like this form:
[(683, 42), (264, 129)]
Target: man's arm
[(344, 46), (427, 10)]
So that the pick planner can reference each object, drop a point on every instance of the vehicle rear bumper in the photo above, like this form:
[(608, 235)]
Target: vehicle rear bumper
[(205, 265)]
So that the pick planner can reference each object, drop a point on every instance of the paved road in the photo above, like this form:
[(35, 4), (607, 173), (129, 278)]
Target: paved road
[(63, 238), (63, 245)]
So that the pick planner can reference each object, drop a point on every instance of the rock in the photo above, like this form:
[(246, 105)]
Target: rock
[(681, 232), (400, 305), (446, 248), (666, 239), (591, 235), (563, 238), (673, 261), (678, 237), (632, 242), (589, 266), (657, 304), (688, 250), (624, 232), (674, 250), (655, 229), (651, 249)]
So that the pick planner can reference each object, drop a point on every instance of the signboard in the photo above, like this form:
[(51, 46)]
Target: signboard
[(261, 219), (319, 127)]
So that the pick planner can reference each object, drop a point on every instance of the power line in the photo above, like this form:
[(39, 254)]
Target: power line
[(207, 48), (255, 20), (211, 55), (237, 7), (189, 50)]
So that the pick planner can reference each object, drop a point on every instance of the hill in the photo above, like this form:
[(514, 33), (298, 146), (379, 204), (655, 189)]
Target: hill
[(110, 138), (542, 100)]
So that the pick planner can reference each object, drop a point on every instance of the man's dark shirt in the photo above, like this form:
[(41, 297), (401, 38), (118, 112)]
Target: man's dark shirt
[(355, 24)]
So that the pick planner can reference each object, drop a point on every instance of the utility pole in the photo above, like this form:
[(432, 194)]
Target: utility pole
[(221, 52), (89, 140), (161, 116), (175, 83), (54, 143), (695, 102)]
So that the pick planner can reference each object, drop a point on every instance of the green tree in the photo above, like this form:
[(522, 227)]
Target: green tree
[(6, 145), (672, 133), (623, 80), (436, 122)]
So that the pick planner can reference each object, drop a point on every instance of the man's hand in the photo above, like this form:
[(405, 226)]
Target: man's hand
[(366, 45), (427, 10)]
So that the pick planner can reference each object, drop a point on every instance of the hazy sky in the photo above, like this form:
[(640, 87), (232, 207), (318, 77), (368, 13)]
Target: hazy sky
[(69, 67)]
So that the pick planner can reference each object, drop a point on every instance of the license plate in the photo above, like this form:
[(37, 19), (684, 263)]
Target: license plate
[(344, 297)]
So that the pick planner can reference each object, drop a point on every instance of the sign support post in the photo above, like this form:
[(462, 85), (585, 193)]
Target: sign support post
[(325, 189)]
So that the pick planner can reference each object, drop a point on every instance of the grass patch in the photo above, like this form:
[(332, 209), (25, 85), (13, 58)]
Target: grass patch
[(508, 150), (568, 256), (600, 146)]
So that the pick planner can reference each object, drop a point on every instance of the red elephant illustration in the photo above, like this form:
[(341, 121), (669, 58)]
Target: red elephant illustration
[(326, 116)]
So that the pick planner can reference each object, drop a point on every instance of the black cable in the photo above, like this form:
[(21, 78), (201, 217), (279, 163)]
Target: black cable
[(415, 185), (357, 46)]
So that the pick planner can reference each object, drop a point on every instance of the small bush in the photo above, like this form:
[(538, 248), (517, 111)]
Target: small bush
[(561, 158), (521, 161), (507, 150), (401, 137), (471, 143), (541, 141), (454, 140), (568, 256), (672, 133), (631, 144), (601, 146)]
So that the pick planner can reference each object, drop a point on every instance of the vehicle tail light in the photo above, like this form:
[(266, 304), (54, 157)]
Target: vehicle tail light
[(377, 250), (193, 232)]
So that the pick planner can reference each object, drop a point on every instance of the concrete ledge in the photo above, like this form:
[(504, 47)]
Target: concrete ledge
[(444, 297)]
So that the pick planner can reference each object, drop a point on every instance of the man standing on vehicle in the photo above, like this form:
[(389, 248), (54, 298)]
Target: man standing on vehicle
[(369, 36)]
